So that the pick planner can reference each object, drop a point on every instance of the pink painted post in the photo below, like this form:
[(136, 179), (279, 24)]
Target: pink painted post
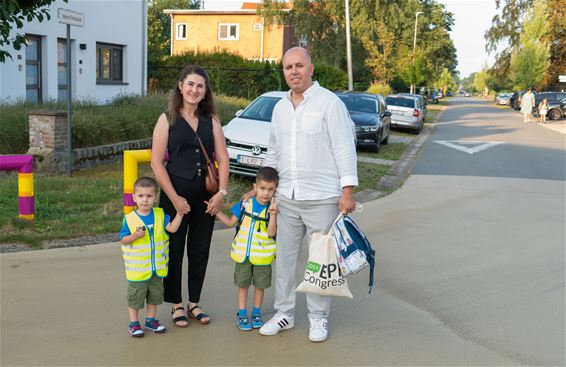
[(24, 165)]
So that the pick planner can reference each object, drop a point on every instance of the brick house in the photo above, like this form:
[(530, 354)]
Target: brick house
[(240, 31)]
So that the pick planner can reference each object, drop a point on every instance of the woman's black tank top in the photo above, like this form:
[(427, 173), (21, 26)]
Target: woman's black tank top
[(185, 157)]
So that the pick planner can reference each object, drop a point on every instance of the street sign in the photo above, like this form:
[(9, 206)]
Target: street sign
[(75, 19), (70, 17), (562, 78)]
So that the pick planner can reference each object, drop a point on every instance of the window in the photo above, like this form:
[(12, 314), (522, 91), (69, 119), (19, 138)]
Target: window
[(33, 69), (109, 63), (61, 70), (181, 31), (228, 32)]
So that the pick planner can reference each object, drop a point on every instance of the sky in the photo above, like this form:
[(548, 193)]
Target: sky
[(472, 19)]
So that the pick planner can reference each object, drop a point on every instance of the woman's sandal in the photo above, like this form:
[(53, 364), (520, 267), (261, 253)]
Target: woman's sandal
[(177, 319), (198, 318)]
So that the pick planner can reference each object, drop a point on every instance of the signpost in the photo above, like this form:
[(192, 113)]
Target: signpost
[(70, 18), (562, 78)]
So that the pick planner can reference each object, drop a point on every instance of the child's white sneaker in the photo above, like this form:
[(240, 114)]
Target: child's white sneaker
[(277, 323), (318, 330)]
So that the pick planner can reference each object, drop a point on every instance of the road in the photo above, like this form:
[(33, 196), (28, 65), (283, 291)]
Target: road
[(470, 272)]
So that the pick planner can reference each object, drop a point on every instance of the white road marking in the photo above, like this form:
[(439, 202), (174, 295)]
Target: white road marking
[(460, 145)]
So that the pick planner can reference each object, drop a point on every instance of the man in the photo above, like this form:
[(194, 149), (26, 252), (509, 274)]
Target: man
[(311, 145)]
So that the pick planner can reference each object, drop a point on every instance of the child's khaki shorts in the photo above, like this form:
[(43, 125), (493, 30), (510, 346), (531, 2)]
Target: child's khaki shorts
[(150, 290), (246, 273)]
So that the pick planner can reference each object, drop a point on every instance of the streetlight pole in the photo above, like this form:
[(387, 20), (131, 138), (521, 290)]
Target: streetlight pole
[(349, 49), (413, 87)]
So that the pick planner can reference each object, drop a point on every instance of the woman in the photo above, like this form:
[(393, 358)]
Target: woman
[(527, 104), (191, 115)]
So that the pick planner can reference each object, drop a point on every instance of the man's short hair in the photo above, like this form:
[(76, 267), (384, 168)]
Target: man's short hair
[(267, 174), (145, 181)]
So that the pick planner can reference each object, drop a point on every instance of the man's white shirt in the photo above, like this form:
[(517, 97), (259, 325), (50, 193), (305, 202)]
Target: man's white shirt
[(312, 147)]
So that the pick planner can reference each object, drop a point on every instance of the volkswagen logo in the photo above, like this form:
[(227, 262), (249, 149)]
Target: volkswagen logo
[(256, 150)]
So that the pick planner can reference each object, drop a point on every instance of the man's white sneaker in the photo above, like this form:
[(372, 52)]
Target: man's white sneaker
[(318, 330), (277, 323)]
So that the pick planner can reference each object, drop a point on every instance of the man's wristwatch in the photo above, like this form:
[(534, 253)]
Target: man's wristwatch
[(223, 192)]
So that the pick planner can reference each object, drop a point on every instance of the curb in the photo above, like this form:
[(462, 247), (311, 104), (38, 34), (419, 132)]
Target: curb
[(402, 169)]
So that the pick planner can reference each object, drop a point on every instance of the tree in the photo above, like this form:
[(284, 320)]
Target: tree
[(13, 14), (556, 40), (159, 26), (529, 61), (481, 80), (446, 81)]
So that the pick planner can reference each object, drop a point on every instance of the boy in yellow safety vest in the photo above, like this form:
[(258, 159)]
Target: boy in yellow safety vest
[(145, 248), (253, 247)]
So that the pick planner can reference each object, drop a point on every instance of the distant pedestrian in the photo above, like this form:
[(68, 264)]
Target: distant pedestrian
[(527, 105), (543, 110), (253, 247), (145, 246)]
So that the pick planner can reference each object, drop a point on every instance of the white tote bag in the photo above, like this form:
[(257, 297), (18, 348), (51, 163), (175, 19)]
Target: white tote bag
[(322, 274)]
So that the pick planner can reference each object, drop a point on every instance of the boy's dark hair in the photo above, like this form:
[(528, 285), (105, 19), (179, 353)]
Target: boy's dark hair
[(267, 174), (145, 181)]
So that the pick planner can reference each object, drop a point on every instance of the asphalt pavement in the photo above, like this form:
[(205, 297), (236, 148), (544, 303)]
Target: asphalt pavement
[(470, 272)]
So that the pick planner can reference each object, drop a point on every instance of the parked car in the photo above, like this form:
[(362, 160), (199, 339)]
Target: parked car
[(420, 98), (406, 112), (371, 117), (432, 97), (556, 110), (449, 94), (503, 99), (247, 134), (515, 100), (550, 97)]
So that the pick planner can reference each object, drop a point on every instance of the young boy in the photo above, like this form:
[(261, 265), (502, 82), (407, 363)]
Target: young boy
[(254, 252), (145, 247)]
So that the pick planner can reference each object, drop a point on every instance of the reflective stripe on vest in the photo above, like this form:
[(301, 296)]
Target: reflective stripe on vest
[(259, 247), (146, 255)]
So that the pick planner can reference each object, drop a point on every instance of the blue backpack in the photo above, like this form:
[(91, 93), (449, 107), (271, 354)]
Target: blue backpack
[(353, 249)]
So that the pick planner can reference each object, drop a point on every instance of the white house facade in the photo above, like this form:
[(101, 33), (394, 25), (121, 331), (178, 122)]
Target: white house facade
[(108, 54)]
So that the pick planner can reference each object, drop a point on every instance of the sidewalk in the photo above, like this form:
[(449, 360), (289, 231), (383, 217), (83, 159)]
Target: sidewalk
[(556, 125), (67, 307)]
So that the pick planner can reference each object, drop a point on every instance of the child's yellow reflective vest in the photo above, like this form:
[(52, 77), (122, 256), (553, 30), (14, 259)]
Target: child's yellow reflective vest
[(148, 254), (251, 240)]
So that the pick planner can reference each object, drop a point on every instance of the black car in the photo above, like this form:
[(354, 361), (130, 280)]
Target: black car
[(371, 117), (515, 100), (556, 109), (550, 97)]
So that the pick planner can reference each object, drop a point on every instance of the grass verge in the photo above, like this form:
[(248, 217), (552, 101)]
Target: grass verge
[(89, 203)]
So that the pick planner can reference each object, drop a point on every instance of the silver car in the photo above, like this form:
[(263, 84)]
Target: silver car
[(406, 112)]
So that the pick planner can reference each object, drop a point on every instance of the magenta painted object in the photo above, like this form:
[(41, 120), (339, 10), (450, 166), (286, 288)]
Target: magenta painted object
[(129, 200), (21, 163), (26, 205)]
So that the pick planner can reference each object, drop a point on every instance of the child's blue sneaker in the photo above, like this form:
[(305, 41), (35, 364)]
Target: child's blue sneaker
[(154, 326), (257, 322), (243, 322), (135, 330)]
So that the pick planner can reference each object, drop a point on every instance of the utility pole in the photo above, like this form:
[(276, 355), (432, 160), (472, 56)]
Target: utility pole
[(349, 48), (413, 87)]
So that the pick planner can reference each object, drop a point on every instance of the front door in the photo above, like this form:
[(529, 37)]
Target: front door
[(33, 69)]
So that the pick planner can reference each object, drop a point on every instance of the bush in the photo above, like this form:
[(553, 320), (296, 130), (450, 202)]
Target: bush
[(380, 88), (330, 77), (232, 75), (128, 117)]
